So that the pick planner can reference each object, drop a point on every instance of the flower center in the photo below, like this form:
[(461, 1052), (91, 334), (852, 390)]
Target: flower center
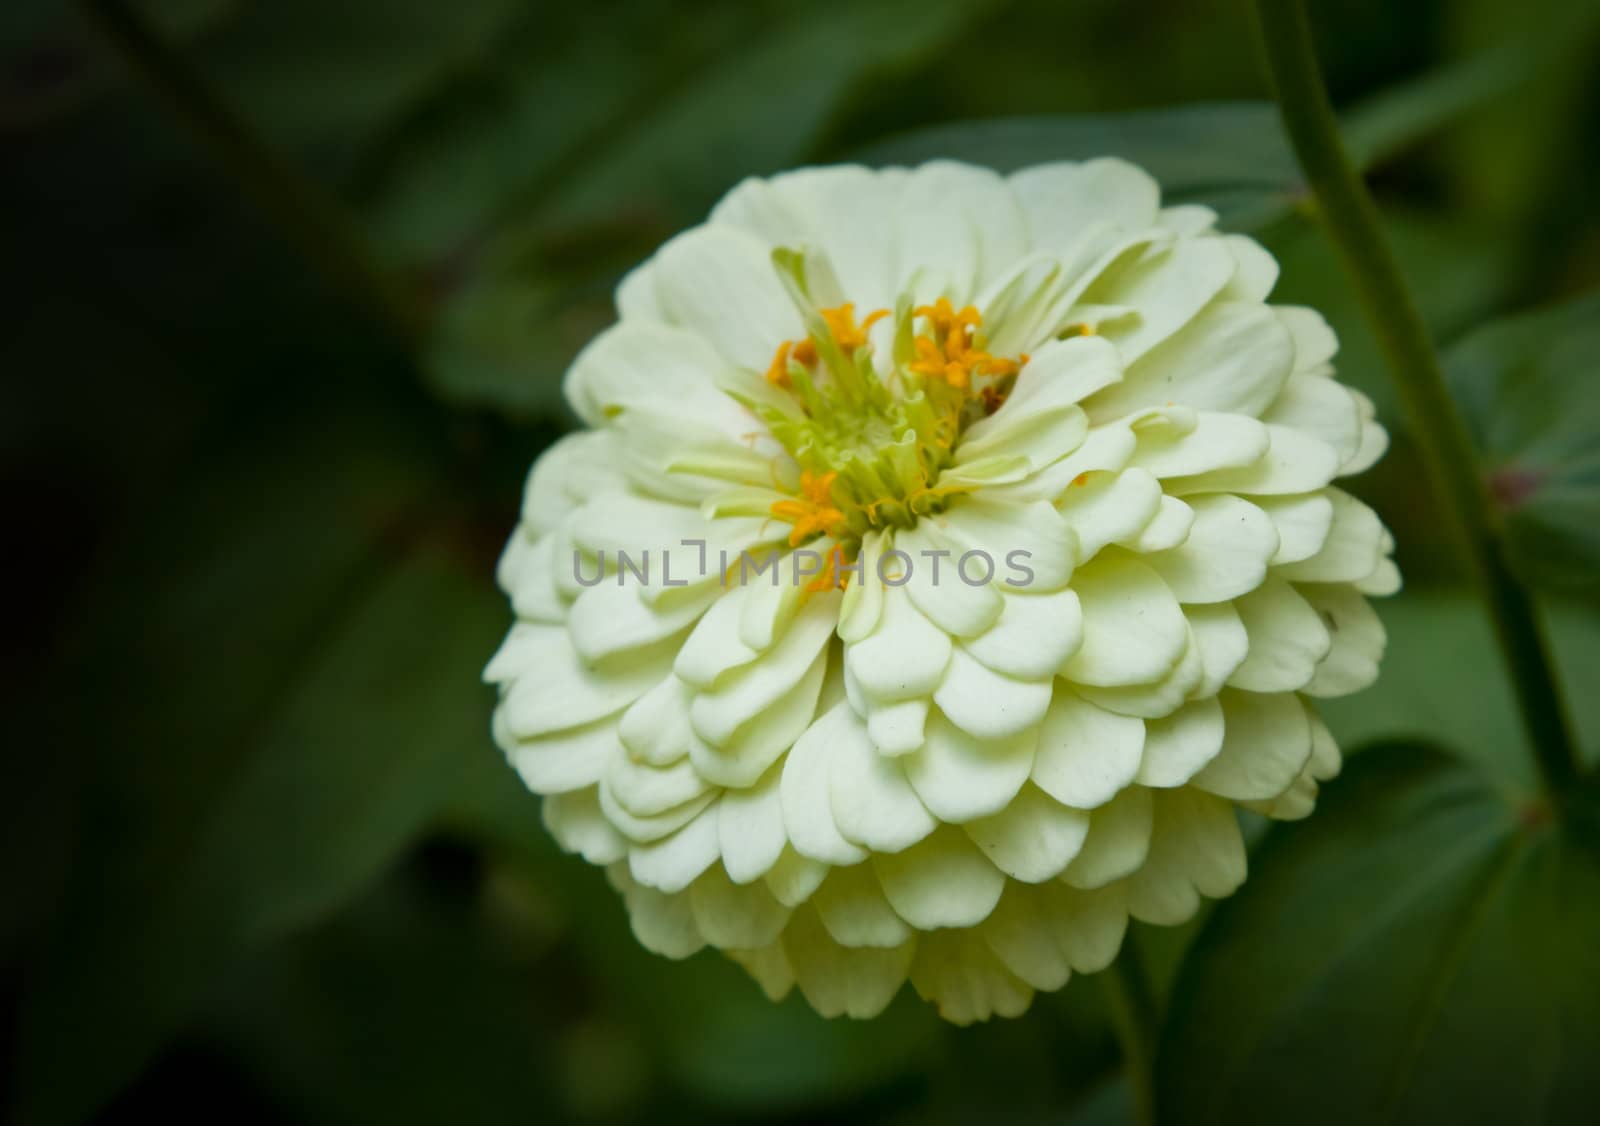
[(873, 435)]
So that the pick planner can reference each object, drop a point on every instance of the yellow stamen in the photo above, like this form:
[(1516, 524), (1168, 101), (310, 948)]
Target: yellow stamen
[(812, 512), (778, 371)]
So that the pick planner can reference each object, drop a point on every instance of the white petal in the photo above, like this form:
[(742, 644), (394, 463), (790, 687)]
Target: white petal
[(1317, 405), (1104, 449), (733, 916), (1043, 933), (1086, 754), (655, 729), (959, 973), (561, 761), (905, 656), (1295, 462), (578, 825), (720, 284), (795, 878), (1287, 639), (672, 863), (941, 593), (1358, 640), (761, 741), (1074, 210), (873, 803), (1033, 838), (959, 777), (653, 368), (1314, 342), (566, 692), (1133, 629), (1226, 553), (1195, 850), (1173, 522), (1218, 441), (862, 605), (986, 704), (770, 967), (663, 924), (750, 832), (897, 729), (645, 790), (1157, 698), (714, 648), (1233, 357), (1168, 286), (1266, 743), (1221, 642), (1257, 270), (843, 981), (1178, 747), (807, 809), (942, 881), (1110, 507), (718, 713), (960, 222), (1302, 522), (855, 911), (1118, 840), (1384, 581), (1033, 637), (1001, 530), (1351, 552)]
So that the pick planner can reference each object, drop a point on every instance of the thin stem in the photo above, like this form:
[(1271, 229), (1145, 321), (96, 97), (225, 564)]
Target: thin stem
[(1437, 426), (310, 217), (1133, 1014)]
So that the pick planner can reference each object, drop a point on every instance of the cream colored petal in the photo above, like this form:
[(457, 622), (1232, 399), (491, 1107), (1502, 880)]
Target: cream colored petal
[(1033, 637), (1317, 405), (1178, 747), (1118, 841), (960, 222), (958, 776), (663, 924), (655, 728), (938, 590), (1075, 209), (1303, 523), (1033, 838), (1287, 639), (1314, 342), (645, 790), (1158, 697), (770, 967), (807, 808), (1168, 286), (1221, 643), (1042, 934), (1218, 442), (672, 863), (1358, 640), (1266, 743), (986, 704), (958, 972), (942, 881), (1233, 357), (1086, 754), (1133, 629), (565, 692), (1295, 462), (1225, 555), (750, 834), (1353, 549), (1173, 523), (1195, 850), (853, 909), (906, 655), (1110, 507), (998, 531), (717, 714), (733, 916), (720, 284), (762, 740), (898, 729), (843, 981), (795, 878), (873, 804), (576, 822)]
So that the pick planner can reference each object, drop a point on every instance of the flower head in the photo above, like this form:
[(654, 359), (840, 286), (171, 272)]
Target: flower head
[(972, 618)]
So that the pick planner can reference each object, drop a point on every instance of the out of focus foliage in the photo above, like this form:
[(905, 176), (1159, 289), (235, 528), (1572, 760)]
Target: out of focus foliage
[(261, 858)]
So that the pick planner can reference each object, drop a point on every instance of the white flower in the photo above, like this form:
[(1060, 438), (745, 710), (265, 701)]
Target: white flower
[(970, 786)]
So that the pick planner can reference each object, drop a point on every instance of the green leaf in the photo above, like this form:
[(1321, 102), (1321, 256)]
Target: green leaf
[(277, 685), (1420, 950), (526, 210), (1530, 387), (1229, 155)]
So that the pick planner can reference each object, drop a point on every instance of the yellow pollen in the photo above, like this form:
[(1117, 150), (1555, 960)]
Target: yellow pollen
[(948, 351), (841, 322), (813, 511)]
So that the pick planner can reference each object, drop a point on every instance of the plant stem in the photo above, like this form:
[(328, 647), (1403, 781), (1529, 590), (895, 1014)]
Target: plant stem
[(309, 216), (1437, 426), (1133, 1014)]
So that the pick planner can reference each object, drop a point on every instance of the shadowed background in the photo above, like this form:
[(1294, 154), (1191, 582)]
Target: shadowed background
[(265, 424)]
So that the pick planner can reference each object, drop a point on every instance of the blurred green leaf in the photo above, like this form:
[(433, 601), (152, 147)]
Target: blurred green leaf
[(527, 233), (277, 687), (1530, 387), (1429, 940), (1464, 701)]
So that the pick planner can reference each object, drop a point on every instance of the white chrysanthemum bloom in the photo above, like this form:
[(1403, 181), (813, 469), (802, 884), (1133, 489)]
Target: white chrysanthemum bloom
[(1069, 561)]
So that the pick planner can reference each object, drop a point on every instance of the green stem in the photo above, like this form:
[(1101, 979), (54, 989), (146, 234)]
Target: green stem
[(310, 217), (1133, 1014), (1437, 426)]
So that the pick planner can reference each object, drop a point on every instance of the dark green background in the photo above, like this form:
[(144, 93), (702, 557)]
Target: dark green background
[(261, 859)]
